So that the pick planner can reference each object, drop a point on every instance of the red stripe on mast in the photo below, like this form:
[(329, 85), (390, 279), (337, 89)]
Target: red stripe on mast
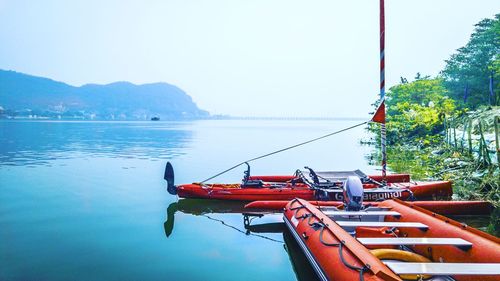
[(382, 25), (380, 116)]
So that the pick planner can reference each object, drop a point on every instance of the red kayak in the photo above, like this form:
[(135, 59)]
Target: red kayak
[(392, 241), (271, 191), (311, 185)]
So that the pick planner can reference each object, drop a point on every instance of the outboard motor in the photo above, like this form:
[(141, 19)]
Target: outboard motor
[(353, 194)]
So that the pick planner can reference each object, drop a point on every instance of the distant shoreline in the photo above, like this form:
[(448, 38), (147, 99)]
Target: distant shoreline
[(42, 118)]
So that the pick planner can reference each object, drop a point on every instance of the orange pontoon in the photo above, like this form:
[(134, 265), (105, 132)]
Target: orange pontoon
[(392, 241)]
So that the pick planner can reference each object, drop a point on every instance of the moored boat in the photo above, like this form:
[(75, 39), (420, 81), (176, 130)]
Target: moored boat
[(311, 185), (392, 241)]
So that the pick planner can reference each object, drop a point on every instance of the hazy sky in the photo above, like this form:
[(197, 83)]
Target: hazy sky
[(239, 57)]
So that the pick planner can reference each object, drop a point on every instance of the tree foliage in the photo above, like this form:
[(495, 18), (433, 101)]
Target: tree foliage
[(415, 110), (467, 72)]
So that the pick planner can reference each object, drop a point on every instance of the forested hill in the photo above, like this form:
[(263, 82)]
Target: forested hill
[(24, 95)]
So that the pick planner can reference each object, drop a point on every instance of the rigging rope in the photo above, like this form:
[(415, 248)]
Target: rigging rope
[(284, 149)]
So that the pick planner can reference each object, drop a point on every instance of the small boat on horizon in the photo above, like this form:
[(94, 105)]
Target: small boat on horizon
[(155, 118)]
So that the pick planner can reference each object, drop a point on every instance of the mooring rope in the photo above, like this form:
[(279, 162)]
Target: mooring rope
[(284, 149)]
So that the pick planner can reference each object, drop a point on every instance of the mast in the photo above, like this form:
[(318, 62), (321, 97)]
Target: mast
[(382, 90)]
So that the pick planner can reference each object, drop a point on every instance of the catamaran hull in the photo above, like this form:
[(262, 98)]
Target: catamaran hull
[(419, 190), (336, 255)]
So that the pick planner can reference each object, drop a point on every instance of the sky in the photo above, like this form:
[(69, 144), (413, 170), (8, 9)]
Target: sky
[(280, 58)]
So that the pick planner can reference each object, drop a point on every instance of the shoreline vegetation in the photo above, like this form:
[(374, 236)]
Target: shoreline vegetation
[(447, 127)]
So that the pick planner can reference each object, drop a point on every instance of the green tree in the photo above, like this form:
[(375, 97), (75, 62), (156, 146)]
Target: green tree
[(470, 68), (415, 110)]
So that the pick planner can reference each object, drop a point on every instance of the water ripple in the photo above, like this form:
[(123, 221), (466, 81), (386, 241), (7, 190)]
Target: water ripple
[(39, 143)]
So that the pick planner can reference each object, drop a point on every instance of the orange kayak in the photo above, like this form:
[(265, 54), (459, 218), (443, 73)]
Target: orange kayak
[(287, 191), (392, 241), (311, 185)]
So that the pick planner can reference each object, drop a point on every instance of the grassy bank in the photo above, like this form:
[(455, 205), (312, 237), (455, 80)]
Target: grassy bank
[(474, 169), (475, 176)]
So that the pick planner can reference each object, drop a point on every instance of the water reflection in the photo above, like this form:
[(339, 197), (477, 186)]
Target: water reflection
[(270, 227), (301, 266), (168, 225), (39, 142), (203, 207), (256, 224)]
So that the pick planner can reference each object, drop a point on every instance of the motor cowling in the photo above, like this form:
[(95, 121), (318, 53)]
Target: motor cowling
[(353, 194)]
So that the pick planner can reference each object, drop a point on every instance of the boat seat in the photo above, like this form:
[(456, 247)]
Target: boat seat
[(458, 242), (329, 185), (436, 268), (362, 213), (335, 176), (252, 183), (382, 224), (332, 179)]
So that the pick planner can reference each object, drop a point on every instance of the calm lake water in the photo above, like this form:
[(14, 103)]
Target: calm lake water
[(86, 200)]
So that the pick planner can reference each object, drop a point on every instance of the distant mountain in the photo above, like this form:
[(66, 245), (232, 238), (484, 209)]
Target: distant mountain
[(25, 95)]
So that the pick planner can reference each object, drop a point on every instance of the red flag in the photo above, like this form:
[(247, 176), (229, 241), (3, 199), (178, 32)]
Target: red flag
[(379, 115)]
